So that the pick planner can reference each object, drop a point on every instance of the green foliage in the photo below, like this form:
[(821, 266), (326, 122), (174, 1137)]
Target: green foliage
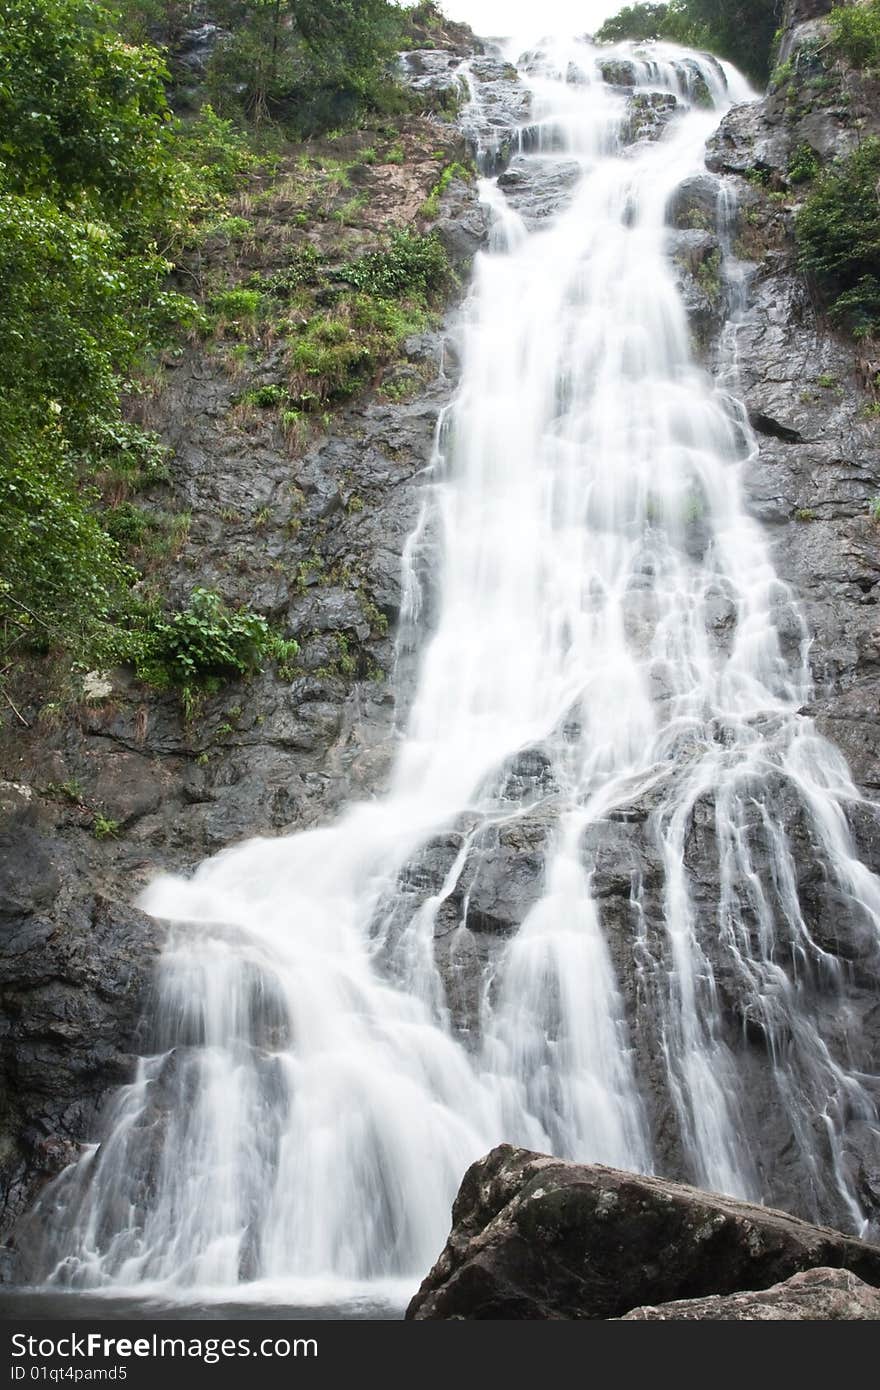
[(88, 180), (327, 360), (741, 30), (804, 165), (129, 524), (856, 30), (83, 116), (709, 276), (103, 828), (639, 22), (314, 65), (207, 643), (412, 265), (387, 295), (266, 396), (303, 269), (838, 235), (237, 306), (102, 188), (431, 205), (146, 534), (226, 229)]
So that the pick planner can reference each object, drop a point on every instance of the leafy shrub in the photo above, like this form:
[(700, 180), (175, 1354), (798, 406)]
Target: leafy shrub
[(82, 115), (129, 524), (225, 229), (313, 65), (103, 828), (838, 235), (303, 269), (266, 396), (90, 183), (238, 306), (412, 266), (330, 358), (856, 30), (215, 154), (637, 22), (804, 165), (207, 643)]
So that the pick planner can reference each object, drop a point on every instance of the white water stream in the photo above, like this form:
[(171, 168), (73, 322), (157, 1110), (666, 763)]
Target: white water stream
[(311, 1111)]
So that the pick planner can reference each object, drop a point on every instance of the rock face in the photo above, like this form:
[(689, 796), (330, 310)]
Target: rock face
[(817, 1295), (75, 968), (536, 1238)]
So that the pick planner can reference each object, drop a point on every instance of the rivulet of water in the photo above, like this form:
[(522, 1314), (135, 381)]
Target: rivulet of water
[(309, 1109)]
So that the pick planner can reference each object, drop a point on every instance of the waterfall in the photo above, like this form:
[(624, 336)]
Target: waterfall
[(610, 653)]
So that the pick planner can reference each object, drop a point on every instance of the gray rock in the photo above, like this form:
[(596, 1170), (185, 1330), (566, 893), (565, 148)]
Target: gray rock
[(817, 1295), (648, 115), (697, 262), (694, 204)]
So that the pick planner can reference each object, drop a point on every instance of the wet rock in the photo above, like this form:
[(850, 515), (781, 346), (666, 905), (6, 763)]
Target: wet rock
[(817, 1295), (539, 188), (648, 115), (462, 225), (74, 975), (437, 76), (494, 121), (537, 1238), (618, 72), (746, 142), (694, 204), (697, 261), (195, 48)]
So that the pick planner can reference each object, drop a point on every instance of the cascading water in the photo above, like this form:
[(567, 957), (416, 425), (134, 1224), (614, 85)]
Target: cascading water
[(605, 607)]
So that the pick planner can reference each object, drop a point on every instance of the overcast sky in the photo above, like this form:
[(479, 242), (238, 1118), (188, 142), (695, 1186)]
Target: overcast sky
[(531, 18)]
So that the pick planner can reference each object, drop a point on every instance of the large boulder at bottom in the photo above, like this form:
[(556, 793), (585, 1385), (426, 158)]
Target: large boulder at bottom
[(538, 1238), (817, 1295)]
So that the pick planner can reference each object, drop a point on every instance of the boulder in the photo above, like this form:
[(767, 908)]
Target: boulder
[(817, 1295), (538, 1238)]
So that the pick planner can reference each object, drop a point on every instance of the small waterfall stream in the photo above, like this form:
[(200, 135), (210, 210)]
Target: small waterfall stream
[(606, 608)]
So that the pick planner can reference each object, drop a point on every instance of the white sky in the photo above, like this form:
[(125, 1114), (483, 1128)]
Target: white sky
[(530, 18)]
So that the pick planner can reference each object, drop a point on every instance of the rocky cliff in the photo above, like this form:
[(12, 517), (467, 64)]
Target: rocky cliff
[(311, 533)]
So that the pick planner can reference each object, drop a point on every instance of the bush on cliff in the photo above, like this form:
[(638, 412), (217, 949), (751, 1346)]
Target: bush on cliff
[(856, 31), (838, 235), (208, 642)]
